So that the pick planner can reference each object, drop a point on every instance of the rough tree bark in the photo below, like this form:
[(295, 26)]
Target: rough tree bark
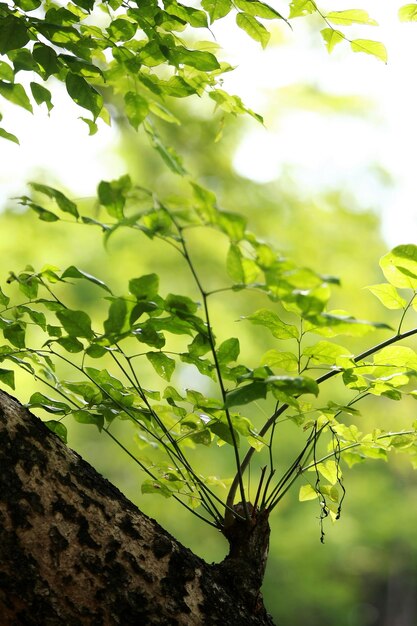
[(74, 551)]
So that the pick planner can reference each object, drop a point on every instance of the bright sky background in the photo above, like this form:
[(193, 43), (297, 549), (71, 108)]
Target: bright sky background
[(332, 151)]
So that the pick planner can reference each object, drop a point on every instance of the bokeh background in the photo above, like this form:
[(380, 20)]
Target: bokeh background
[(330, 180)]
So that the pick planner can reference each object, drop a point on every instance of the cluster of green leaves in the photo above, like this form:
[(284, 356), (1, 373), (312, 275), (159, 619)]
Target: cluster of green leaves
[(332, 36), (143, 53), (128, 49), (348, 17), (145, 330)]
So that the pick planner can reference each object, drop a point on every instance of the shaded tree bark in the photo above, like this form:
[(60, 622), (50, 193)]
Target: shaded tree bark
[(75, 551)]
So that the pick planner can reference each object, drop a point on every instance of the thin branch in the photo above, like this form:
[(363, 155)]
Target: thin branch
[(211, 339), (330, 374)]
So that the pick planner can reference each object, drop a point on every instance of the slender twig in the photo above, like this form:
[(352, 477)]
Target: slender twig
[(145, 469), (258, 492), (211, 339), (133, 417), (356, 444), (204, 491), (405, 312)]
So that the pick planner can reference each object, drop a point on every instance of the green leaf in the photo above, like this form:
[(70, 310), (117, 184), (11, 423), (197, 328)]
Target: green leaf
[(341, 323), (202, 436), (75, 323), (246, 394), (375, 48), (258, 9), (4, 300), (180, 305), (43, 214), (243, 425), (47, 59), (140, 308), (388, 295), (200, 345), (408, 13), (155, 486), (374, 451), (65, 204), (204, 366), (41, 95), (75, 272), (400, 356), (307, 492), (194, 17), (92, 126), (37, 317), (15, 333), (234, 264), (145, 287), (300, 8), (203, 61), (162, 364), (352, 458), (178, 87), (88, 5), (353, 380), (13, 34), (28, 283), (6, 72), (253, 28), (96, 351), (22, 60), (7, 377), (70, 344), (28, 5), (269, 319), (232, 224), (330, 470), (58, 428), (284, 360), (48, 404), (205, 204), (160, 111), (15, 93), (84, 94), (147, 334), (86, 417), (112, 385), (217, 8), (136, 107), (8, 136), (350, 16), (222, 431), (326, 352), (400, 266), (117, 316), (331, 37), (228, 351), (121, 29), (293, 385), (113, 194), (88, 391)]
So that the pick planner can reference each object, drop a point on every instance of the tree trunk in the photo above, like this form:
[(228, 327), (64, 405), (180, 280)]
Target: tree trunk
[(74, 551)]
